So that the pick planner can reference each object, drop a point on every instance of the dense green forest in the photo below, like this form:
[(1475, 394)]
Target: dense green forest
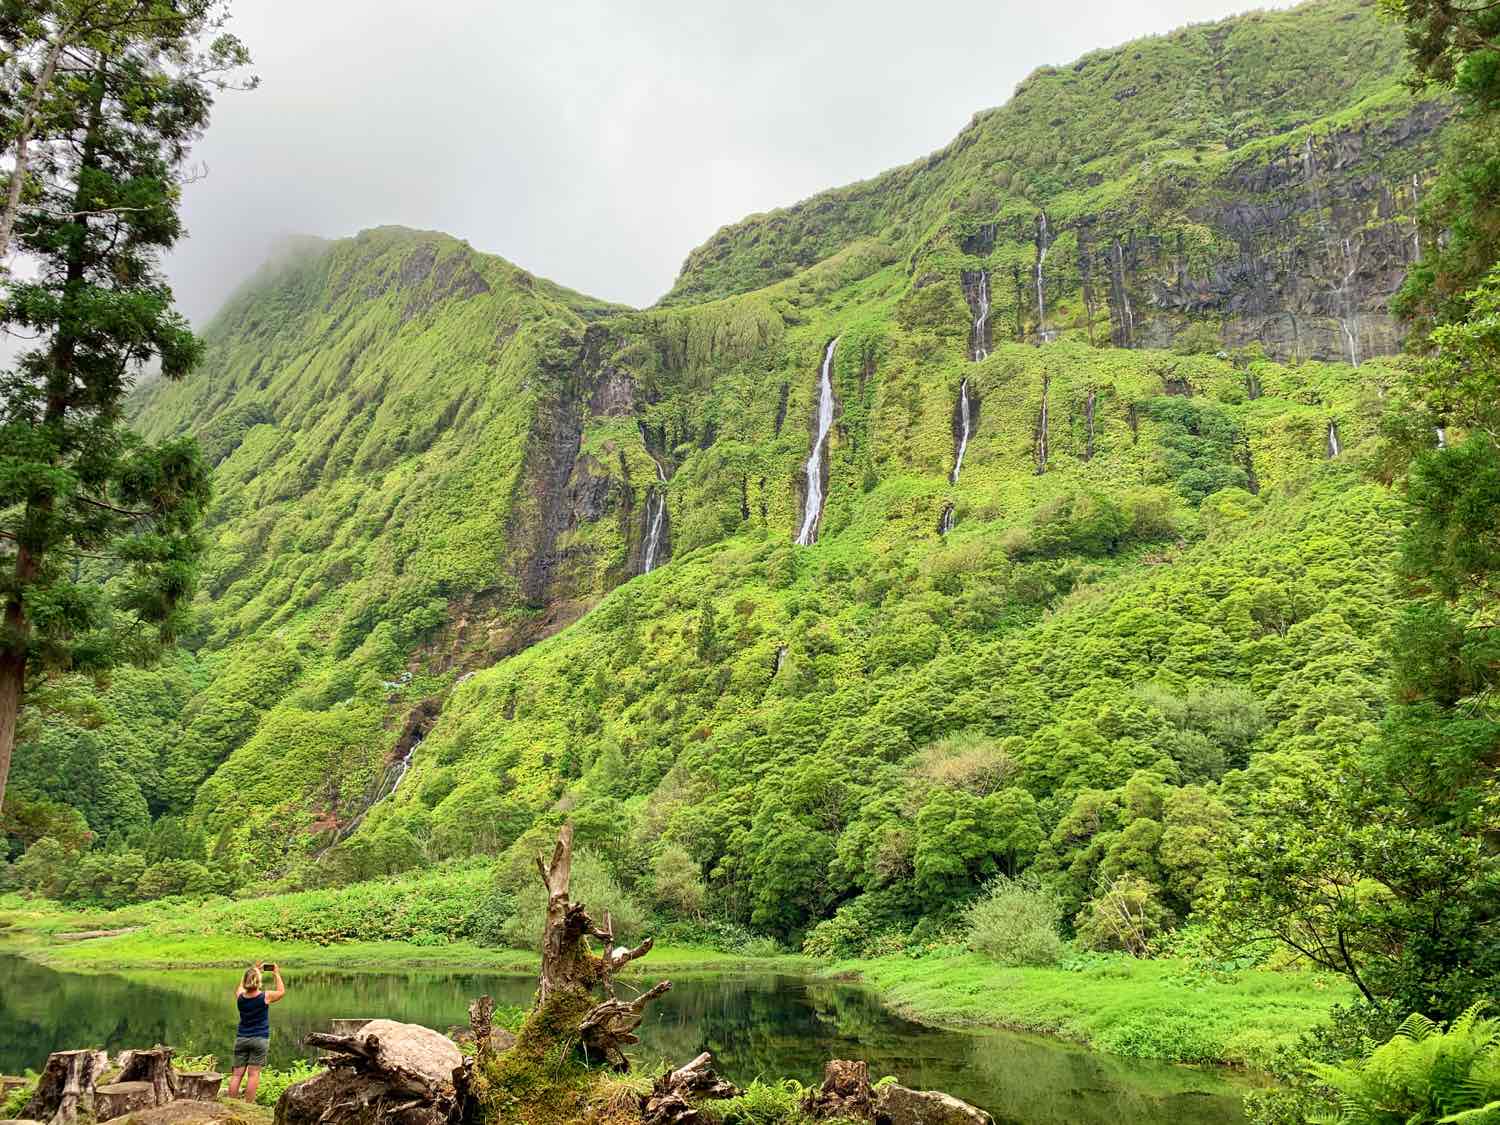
[(1150, 603)]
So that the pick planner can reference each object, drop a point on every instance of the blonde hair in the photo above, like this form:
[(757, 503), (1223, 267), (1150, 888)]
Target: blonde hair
[(251, 980)]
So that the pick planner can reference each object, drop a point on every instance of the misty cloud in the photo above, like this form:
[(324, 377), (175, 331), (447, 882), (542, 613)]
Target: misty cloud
[(596, 142)]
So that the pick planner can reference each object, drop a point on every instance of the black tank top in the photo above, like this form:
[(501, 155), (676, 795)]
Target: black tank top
[(255, 1017)]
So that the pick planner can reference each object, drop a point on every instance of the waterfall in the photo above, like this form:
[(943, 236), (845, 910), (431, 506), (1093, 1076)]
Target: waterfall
[(814, 511), (780, 659), (963, 434), (981, 315), (945, 521), (1442, 437), (1041, 430), (1416, 221), (1349, 321), (1041, 261), (1334, 446), (654, 521), (1128, 315)]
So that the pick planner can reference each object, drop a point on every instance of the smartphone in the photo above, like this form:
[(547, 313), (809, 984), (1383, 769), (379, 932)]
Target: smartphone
[(269, 967)]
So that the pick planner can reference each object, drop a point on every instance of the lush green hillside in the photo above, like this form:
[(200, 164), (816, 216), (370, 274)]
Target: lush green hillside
[(1158, 581)]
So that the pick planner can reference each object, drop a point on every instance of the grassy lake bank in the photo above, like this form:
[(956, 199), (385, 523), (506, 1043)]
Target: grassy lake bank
[(1163, 1009)]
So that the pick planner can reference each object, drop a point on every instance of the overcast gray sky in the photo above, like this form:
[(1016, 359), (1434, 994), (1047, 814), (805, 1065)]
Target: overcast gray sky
[(595, 142)]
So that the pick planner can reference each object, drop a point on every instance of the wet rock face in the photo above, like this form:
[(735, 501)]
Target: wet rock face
[(1318, 235)]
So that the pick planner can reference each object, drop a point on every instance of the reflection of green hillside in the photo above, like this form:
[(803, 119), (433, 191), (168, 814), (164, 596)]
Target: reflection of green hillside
[(767, 1027)]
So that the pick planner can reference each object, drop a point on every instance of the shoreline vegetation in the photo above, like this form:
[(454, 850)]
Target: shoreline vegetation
[(1168, 1008)]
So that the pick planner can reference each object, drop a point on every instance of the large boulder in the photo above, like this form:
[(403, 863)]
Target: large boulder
[(898, 1105), (387, 1072)]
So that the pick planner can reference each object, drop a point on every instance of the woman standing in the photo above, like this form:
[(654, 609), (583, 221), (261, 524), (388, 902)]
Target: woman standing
[(252, 1039)]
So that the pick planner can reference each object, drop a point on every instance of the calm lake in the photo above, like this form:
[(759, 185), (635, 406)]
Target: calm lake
[(756, 1026)]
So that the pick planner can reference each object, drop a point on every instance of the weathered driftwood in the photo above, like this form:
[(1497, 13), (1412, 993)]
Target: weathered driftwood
[(66, 1088), (199, 1085), (898, 1105), (672, 1097), (153, 1067), (387, 1071), (846, 1095), (119, 1098), (570, 968)]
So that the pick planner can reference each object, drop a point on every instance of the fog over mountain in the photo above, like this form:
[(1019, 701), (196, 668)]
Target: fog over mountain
[(596, 142)]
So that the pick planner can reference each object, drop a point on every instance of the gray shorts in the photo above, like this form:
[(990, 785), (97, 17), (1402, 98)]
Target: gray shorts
[(251, 1052)]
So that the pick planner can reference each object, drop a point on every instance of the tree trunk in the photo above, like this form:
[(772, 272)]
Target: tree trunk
[(12, 684), (570, 970), (66, 1088), (199, 1085), (671, 1101), (25, 131), (153, 1067), (119, 1098)]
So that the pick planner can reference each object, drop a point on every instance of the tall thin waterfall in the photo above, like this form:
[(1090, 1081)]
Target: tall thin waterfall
[(945, 521), (1349, 322), (1042, 245), (981, 315), (1334, 445), (1127, 313), (1041, 429), (1416, 222), (963, 430), (656, 513), (814, 511), (1442, 437)]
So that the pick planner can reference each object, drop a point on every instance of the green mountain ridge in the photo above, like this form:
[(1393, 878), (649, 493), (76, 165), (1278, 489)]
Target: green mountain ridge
[(424, 627)]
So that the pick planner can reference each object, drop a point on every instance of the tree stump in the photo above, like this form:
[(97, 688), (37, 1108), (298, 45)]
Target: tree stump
[(153, 1067), (199, 1085), (570, 971), (119, 1098), (845, 1092), (66, 1087)]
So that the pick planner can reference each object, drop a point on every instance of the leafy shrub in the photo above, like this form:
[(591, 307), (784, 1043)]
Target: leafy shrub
[(677, 882), (16, 1101), (1016, 922), (1125, 914), (762, 1103), (273, 1083)]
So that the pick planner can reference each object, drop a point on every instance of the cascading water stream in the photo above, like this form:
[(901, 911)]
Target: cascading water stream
[(981, 315), (654, 521), (1442, 437), (1128, 314), (963, 430), (1349, 322), (814, 511), (1041, 429), (1335, 447), (1042, 245), (945, 521)]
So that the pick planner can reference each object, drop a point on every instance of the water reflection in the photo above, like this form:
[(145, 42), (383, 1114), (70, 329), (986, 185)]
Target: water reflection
[(755, 1026)]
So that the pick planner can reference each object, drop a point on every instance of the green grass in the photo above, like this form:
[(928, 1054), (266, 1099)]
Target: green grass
[(1144, 1009)]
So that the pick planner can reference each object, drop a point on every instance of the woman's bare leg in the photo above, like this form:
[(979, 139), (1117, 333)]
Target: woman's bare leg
[(234, 1081), (252, 1080)]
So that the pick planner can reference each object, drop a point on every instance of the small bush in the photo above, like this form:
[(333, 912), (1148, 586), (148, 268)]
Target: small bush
[(273, 1083), (1015, 922)]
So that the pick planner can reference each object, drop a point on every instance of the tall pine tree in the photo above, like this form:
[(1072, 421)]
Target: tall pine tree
[(98, 529)]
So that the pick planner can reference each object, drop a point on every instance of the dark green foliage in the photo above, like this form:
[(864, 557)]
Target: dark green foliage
[(100, 526)]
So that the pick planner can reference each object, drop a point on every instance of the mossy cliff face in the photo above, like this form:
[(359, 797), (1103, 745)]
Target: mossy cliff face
[(428, 460), (1258, 175)]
